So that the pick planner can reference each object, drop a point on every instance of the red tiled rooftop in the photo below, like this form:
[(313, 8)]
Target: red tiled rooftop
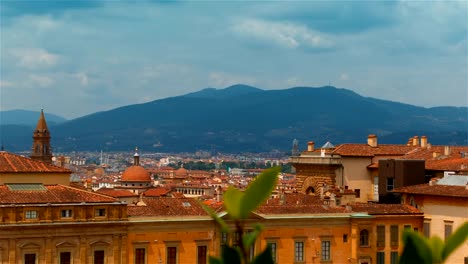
[(167, 207), (12, 163), (156, 192), (380, 209), (435, 189), (365, 150), (52, 194), (116, 193)]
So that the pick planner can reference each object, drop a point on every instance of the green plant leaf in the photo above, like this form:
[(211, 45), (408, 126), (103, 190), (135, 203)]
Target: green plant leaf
[(258, 191), (213, 260), (436, 244), (214, 215), (416, 249), (455, 240), (232, 202), (264, 258), (230, 255), (249, 238)]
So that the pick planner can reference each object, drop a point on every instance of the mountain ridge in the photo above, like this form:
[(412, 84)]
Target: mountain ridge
[(243, 118)]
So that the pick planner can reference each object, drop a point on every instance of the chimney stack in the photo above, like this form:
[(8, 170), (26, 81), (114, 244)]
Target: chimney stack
[(415, 141), (423, 141), (310, 146), (372, 140), (435, 154), (446, 150)]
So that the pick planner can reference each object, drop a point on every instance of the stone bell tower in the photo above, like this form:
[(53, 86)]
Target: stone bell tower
[(41, 149)]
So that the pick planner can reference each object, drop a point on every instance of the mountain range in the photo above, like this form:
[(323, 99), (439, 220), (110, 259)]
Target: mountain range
[(242, 118)]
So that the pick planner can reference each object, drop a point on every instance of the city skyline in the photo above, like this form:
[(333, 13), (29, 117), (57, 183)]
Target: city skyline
[(78, 57)]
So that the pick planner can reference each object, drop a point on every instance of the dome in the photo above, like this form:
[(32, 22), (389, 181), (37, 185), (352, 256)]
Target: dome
[(182, 172), (136, 174)]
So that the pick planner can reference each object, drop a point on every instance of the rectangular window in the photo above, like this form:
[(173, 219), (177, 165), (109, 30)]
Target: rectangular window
[(30, 214), (405, 227), (224, 238), (235, 239), (67, 213), (272, 246), (358, 193), (394, 257), (326, 250), (140, 256), (65, 258), (171, 255), (202, 252), (390, 184), (394, 235), (98, 257), (381, 236), (345, 238), (427, 229), (100, 212), (30, 258), (299, 251), (381, 257), (448, 229)]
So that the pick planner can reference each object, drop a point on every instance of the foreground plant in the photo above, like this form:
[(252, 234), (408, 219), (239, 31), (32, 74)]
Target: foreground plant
[(239, 206), (423, 250)]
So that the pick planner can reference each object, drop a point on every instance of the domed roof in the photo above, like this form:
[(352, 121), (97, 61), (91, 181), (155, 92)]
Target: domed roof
[(182, 172), (136, 173)]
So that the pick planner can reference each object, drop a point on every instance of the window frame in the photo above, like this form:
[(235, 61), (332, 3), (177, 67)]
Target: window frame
[(30, 253), (364, 238), (274, 250), (427, 228), (103, 255), (394, 235), (60, 261), (97, 212), (380, 257), (31, 214), (380, 232), (66, 213), (448, 229), (299, 251), (175, 245), (325, 252), (390, 184)]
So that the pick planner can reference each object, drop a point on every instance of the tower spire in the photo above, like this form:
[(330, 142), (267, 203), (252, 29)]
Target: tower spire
[(41, 149), (136, 157)]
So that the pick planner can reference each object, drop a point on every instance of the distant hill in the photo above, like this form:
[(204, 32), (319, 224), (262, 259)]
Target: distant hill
[(242, 118), (26, 117)]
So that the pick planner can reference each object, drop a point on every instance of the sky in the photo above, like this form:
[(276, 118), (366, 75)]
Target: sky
[(74, 58)]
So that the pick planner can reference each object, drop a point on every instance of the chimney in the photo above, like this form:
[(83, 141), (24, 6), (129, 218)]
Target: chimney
[(423, 141), (415, 141), (372, 140), (435, 154), (310, 146), (446, 150)]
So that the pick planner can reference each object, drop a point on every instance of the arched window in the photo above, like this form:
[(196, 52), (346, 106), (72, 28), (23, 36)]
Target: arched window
[(364, 238)]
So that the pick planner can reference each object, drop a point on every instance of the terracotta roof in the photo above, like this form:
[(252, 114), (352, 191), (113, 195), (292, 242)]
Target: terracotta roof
[(136, 173), (167, 207), (156, 192), (51, 194), (384, 209), (435, 189), (365, 150), (452, 162), (116, 193), (15, 163)]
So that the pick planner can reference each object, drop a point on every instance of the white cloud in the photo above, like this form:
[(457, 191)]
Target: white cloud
[(41, 80), (35, 58), (285, 34), (6, 84), (344, 76), (82, 77)]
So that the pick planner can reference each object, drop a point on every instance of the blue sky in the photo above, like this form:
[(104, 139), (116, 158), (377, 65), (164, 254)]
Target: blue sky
[(74, 58)]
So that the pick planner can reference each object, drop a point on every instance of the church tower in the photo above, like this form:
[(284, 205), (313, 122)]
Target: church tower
[(41, 149)]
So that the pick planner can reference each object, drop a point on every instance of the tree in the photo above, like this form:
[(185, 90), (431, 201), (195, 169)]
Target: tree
[(239, 206), (419, 249)]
